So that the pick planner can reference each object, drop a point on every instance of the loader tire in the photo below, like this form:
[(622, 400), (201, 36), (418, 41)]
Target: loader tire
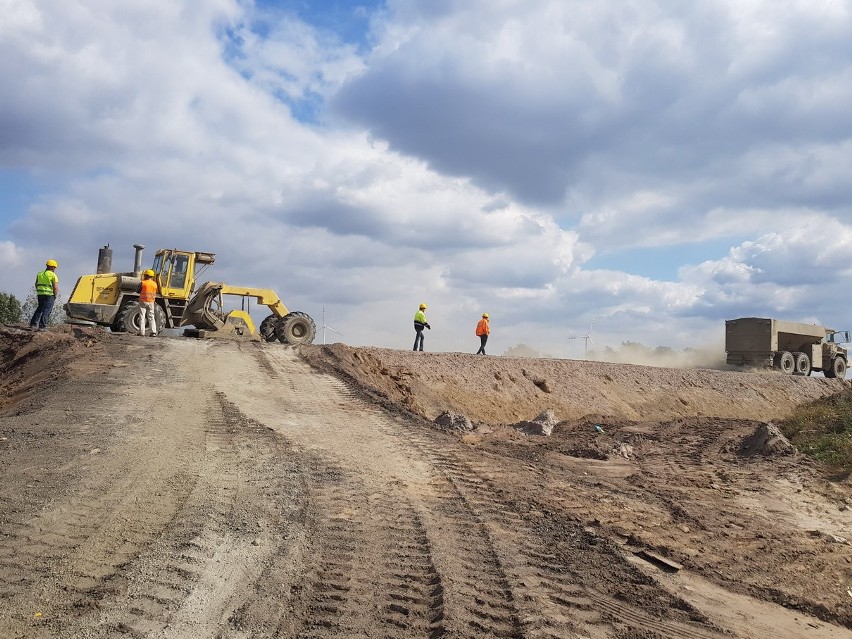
[(160, 316), (296, 328), (120, 323), (131, 319), (267, 328)]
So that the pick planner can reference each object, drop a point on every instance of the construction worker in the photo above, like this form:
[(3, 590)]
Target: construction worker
[(483, 330), (47, 290), (147, 297), (419, 324)]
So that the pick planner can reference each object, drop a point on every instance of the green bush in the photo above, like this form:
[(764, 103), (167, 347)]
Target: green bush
[(823, 431), (10, 309), (57, 315)]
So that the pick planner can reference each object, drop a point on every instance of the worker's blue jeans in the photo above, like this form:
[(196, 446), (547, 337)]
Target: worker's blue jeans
[(43, 311), (418, 338)]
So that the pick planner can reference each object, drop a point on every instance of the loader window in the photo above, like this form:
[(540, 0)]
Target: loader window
[(179, 268)]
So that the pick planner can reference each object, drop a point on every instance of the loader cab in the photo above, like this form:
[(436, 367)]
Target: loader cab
[(177, 271)]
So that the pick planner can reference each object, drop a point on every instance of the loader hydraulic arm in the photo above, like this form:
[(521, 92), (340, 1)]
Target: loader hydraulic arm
[(205, 309), (264, 296)]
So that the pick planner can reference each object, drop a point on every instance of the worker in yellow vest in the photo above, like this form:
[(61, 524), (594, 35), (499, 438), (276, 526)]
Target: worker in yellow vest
[(483, 330), (147, 299), (419, 324), (47, 290)]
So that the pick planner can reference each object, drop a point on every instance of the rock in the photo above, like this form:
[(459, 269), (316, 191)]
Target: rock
[(454, 421), (828, 537), (542, 424), (624, 450), (767, 440)]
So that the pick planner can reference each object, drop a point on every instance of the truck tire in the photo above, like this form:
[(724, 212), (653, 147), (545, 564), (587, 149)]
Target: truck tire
[(837, 368), (296, 328), (267, 328), (786, 362), (803, 363)]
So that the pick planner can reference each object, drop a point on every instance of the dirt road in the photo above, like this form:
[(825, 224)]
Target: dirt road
[(181, 489)]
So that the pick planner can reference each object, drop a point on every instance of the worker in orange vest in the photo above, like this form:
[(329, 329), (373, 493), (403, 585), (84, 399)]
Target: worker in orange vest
[(483, 330), (147, 299)]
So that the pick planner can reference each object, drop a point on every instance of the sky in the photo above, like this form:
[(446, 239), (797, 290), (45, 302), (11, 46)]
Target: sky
[(644, 170)]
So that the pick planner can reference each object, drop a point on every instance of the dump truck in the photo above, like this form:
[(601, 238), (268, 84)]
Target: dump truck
[(111, 299), (790, 347)]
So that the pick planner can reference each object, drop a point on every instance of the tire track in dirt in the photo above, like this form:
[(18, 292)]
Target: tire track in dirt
[(552, 588), (95, 527), (371, 560), (498, 573), (230, 529), (368, 565), (550, 603)]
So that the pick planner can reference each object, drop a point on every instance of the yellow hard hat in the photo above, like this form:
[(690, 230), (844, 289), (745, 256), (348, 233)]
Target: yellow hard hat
[(422, 306), (149, 273), (51, 263), (485, 315)]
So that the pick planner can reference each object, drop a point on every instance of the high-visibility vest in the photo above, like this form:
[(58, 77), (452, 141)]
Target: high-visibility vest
[(482, 328), (44, 282), (420, 317), (147, 291)]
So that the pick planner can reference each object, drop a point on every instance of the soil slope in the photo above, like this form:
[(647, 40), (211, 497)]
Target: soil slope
[(503, 390), (179, 488)]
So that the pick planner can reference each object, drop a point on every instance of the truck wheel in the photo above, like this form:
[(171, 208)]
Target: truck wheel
[(803, 363), (837, 368), (267, 328), (296, 328), (786, 362)]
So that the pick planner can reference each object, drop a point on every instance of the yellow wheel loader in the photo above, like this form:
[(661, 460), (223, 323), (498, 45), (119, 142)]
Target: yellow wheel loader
[(111, 299)]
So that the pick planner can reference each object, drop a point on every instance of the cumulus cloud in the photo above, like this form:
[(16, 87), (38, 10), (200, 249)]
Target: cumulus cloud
[(476, 156), (625, 111)]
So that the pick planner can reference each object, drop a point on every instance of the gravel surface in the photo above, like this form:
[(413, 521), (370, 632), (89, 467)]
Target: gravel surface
[(179, 488)]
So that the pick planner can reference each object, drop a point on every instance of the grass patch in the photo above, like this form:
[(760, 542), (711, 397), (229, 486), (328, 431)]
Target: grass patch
[(823, 430)]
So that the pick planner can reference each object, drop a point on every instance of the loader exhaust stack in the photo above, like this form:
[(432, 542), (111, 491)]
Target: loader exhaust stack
[(137, 262), (104, 260)]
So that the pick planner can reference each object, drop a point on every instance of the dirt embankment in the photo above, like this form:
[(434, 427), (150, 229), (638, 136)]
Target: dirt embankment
[(29, 360), (503, 390), (181, 488)]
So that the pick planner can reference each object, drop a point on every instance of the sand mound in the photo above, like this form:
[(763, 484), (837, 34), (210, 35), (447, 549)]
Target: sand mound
[(767, 440)]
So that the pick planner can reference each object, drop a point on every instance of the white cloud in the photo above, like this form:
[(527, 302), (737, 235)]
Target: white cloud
[(477, 157)]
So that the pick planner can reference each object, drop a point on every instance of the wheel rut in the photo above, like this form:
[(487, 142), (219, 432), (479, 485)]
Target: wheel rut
[(236, 493), (502, 571), (238, 521)]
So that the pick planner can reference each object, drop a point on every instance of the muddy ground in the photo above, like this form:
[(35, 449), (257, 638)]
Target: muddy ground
[(173, 487)]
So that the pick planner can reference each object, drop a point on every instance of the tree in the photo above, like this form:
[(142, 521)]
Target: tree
[(10, 309), (57, 315)]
